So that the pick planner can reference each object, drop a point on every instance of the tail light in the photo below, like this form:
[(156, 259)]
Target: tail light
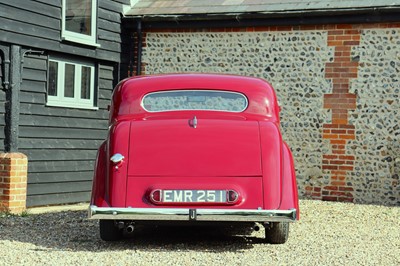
[(156, 196), (232, 196)]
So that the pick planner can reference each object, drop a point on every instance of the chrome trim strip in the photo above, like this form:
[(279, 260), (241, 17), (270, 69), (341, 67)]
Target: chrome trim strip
[(177, 214)]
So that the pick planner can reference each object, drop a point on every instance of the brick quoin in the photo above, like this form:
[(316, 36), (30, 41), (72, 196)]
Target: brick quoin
[(343, 68), (13, 182)]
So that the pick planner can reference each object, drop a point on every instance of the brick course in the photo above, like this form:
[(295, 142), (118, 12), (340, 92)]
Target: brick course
[(340, 101), (13, 182)]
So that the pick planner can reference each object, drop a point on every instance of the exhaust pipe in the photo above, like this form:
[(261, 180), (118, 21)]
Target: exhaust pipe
[(256, 228), (130, 228)]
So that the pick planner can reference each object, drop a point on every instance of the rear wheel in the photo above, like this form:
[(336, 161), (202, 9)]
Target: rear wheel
[(109, 231), (277, 232)]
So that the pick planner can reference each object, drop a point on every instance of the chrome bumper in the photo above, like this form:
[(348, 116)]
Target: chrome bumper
[(169, 214)]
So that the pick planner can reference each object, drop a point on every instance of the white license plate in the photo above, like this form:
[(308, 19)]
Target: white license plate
[(194, 196)]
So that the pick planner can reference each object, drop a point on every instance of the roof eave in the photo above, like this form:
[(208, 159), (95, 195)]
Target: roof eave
[(315, 16)]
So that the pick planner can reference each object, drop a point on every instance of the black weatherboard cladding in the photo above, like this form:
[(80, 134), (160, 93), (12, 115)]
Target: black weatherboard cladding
[(61, 143)]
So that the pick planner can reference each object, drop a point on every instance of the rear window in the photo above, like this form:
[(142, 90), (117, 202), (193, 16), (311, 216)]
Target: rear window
[(194, 100)]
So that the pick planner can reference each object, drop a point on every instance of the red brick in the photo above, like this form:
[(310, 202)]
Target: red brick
[(352, 32), (284, 28), (332, 75), (344, 26), (343, 37), (335, 32), (329, 167), (341, 194), (13, 176), (347, 137), (335, 43), (340, 151), (329, 198), (347, 168), (338, 162), (330, 126), (261, 29), (331, 188), (343, 49), (340, 172), (340, 121), (330, 136), (338, 183), (339, 131), (351, 42), (346, 157), (329, 156)]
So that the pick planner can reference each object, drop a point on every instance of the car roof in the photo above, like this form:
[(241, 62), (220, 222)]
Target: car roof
[(131, 90)]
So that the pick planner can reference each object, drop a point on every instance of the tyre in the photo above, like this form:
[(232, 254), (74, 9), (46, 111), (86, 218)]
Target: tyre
[(277, 232), (109, 231)]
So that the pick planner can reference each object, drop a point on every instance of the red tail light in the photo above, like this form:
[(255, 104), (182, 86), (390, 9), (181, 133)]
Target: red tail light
[(232, 196), (156, 196)]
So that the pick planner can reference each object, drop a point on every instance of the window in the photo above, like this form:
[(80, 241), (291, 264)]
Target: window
[(194, 100), (71, 84), (79, 21)]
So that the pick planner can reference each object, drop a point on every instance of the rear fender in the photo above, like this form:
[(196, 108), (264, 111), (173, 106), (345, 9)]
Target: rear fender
[(116, 180), (290, 198), (271, 145), (99, 177)]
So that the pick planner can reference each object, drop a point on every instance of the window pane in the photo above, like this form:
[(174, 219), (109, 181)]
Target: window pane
[(78, 16), (69, 81), (53, 77), (195, 100), (85, 83)]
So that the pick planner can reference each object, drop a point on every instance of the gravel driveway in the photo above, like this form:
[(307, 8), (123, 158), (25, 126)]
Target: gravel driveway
[(327, 234)]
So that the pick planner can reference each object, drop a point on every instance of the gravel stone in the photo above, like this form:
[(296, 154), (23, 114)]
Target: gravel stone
[(329, 233)]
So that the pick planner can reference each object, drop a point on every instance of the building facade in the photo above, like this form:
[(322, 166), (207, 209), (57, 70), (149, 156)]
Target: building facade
[(335, 70), (59, 62), (334, 65)]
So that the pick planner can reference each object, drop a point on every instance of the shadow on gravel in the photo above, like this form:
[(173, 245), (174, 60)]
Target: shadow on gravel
[(72, 231)]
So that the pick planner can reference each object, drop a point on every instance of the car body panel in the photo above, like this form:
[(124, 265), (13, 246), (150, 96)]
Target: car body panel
[(195, 150), (202, 151)]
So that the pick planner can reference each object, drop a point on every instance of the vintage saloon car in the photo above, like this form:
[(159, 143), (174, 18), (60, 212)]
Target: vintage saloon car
[(194, 148)]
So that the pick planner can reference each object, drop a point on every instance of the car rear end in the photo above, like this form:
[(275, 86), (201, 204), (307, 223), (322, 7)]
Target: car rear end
[(193, 156)]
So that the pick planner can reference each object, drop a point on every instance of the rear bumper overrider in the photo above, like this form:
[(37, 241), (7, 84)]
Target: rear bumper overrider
[(178, 214)]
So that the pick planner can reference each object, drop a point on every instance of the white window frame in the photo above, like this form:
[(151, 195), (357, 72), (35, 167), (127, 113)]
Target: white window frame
[(78, 37), (73, 102)]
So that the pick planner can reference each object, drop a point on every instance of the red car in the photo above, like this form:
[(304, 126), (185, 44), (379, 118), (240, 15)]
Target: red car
[(194, 149)]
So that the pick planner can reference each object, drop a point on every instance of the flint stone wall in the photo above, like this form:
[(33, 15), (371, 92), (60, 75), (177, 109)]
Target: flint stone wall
[(294, 63), (377, 118)]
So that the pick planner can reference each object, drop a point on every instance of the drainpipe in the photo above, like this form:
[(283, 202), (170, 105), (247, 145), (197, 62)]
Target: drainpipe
[(139, 47), (12, 101), (5, 67)]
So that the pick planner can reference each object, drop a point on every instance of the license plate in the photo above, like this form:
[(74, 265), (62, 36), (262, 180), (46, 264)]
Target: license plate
[(194, 196)]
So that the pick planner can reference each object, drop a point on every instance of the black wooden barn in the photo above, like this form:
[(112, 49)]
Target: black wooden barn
[(59, 62)]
